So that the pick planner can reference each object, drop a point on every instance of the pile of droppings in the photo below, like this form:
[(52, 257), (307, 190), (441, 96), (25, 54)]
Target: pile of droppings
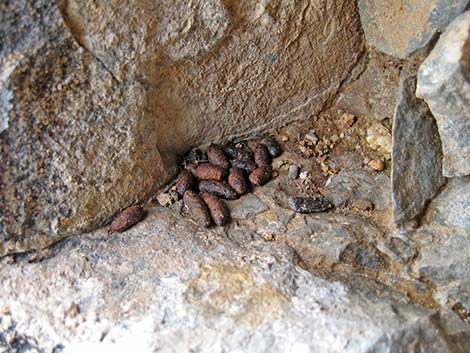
[(222, 172)]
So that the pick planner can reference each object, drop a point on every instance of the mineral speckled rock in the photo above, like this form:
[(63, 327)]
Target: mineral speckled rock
[(400, 28), (417, 154), (444, 83)]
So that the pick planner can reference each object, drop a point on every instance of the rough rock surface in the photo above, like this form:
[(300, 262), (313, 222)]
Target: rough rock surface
[(444, 83), (452, 207), (98, 98), (374, 92), (417, 153), (78, 146), (400, 28), (321, 284)]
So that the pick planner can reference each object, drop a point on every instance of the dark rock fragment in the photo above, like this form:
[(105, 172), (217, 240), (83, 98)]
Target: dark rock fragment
[(309, 204)]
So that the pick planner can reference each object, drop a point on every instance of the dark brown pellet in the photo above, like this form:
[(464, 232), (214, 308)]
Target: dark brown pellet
[(261, 155), (261, 175), (217, 208), (237, 181), (233, 149), (219, 188), (217, 157), (248, 165), (272, 146), (208, 171), (128, 218), (305, 204), (184, 182), (197, 208)]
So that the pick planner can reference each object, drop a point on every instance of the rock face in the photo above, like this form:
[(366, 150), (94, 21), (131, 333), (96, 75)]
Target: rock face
[(417, 153), (98, 99), (444, 83), (79, 146), (374, 93), (169, 285), (399, 28)]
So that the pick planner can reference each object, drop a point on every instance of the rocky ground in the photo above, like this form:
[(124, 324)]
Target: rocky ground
[(272, 280)]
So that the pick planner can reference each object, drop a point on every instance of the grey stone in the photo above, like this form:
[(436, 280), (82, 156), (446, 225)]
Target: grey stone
[(443, 260), (294, 171), (400, 28), (444, 83), (452, 206), (358, 184), (417, 154), (247, 206), (374, 92), (167, 285)]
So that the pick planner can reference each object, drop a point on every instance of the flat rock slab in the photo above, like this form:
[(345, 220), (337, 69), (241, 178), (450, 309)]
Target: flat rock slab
[(417, 154), (444, 83), (400, 28), (167, 285)]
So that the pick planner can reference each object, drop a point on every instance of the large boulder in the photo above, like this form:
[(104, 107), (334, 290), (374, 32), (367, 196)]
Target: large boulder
[(400, 28), (444, 83), (97, 99)]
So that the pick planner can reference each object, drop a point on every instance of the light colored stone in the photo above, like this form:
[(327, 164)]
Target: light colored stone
[(452, 206), (400, 28), (444, 83), (168, 285), (417, 154), (357, 184), (380, 139)]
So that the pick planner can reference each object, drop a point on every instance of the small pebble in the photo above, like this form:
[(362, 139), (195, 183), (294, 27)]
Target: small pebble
[(294, 171), (284, 138), (165, 199), (377, 165), (303, 175), (312, 137)]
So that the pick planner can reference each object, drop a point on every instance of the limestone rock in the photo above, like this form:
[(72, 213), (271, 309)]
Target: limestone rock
[(400, 28), (417, 155), (374, 92), (97, 99), (452, 206), (78, 147), (165, 285), (444, 83)]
